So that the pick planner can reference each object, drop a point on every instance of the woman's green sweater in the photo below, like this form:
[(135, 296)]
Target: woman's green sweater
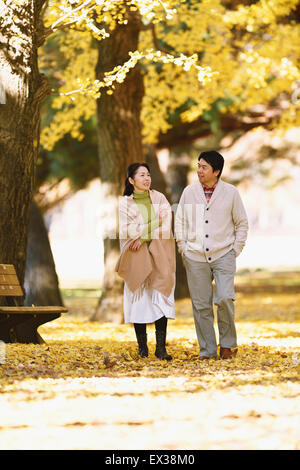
[(145, 206)]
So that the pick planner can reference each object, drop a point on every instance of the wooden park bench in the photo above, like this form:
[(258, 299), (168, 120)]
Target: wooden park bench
[(19, 324)]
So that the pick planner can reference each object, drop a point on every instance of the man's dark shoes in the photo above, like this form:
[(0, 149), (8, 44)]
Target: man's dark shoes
[(228, 353)]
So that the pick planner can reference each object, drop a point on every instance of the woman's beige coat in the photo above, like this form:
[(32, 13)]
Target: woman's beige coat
[(154, 265)]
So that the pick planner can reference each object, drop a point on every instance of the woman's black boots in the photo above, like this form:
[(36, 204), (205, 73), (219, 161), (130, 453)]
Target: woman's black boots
[(141, 336), (161, 334)]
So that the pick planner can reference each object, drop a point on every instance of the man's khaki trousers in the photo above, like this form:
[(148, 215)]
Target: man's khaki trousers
[(200, 277)]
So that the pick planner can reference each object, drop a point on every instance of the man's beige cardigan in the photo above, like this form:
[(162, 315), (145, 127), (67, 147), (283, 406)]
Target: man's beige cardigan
[(205, 231), (154, 265)]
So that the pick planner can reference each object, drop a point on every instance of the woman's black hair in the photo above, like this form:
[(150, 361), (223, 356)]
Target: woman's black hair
[(131, 171)]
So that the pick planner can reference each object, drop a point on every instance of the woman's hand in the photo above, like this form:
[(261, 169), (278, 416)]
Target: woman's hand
[(135, 245)]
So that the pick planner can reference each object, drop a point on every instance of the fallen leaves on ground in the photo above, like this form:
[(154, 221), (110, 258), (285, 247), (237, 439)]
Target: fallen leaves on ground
[(89, 375)]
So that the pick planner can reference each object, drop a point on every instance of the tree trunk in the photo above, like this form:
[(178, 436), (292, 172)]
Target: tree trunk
[(158, 180), (23, 90), (41, 281), (120, 143)]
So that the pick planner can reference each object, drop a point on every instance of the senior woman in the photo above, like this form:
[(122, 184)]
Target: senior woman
[(147, 259)]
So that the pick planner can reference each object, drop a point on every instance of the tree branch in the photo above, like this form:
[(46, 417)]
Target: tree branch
[(60, 25), (187, 132), (156, 42)]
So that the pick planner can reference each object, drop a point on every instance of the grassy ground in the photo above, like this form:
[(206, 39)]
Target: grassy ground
[(88, 389)]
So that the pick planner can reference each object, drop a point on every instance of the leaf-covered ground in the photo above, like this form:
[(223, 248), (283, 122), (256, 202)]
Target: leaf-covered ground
[(88, 389)]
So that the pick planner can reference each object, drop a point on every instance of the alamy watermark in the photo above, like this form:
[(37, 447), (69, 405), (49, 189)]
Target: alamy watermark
[(295, 96), (2, 352), (295, 359), (185, 222), (2, 94)]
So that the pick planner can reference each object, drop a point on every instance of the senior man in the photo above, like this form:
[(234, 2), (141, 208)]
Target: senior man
[(211, 229)]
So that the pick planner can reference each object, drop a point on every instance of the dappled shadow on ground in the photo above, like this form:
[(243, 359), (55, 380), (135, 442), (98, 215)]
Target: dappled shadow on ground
[(269, 353), (88, 388), (268, 306), (256, 290), (268, 338), (88, 359), (266, 282)]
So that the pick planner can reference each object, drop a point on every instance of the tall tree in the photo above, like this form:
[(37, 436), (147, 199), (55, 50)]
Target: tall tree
[(119, 143), (24, 89), (41, 281)]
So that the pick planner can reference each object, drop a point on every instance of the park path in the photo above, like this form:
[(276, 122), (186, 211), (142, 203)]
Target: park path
[(87, 388)]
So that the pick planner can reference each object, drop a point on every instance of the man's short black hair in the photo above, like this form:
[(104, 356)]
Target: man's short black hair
[(214, 158)]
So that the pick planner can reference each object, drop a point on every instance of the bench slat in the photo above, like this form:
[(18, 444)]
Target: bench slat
[(11, 291), (27, 318), (7, 269), (35, 310), (9, 279)]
